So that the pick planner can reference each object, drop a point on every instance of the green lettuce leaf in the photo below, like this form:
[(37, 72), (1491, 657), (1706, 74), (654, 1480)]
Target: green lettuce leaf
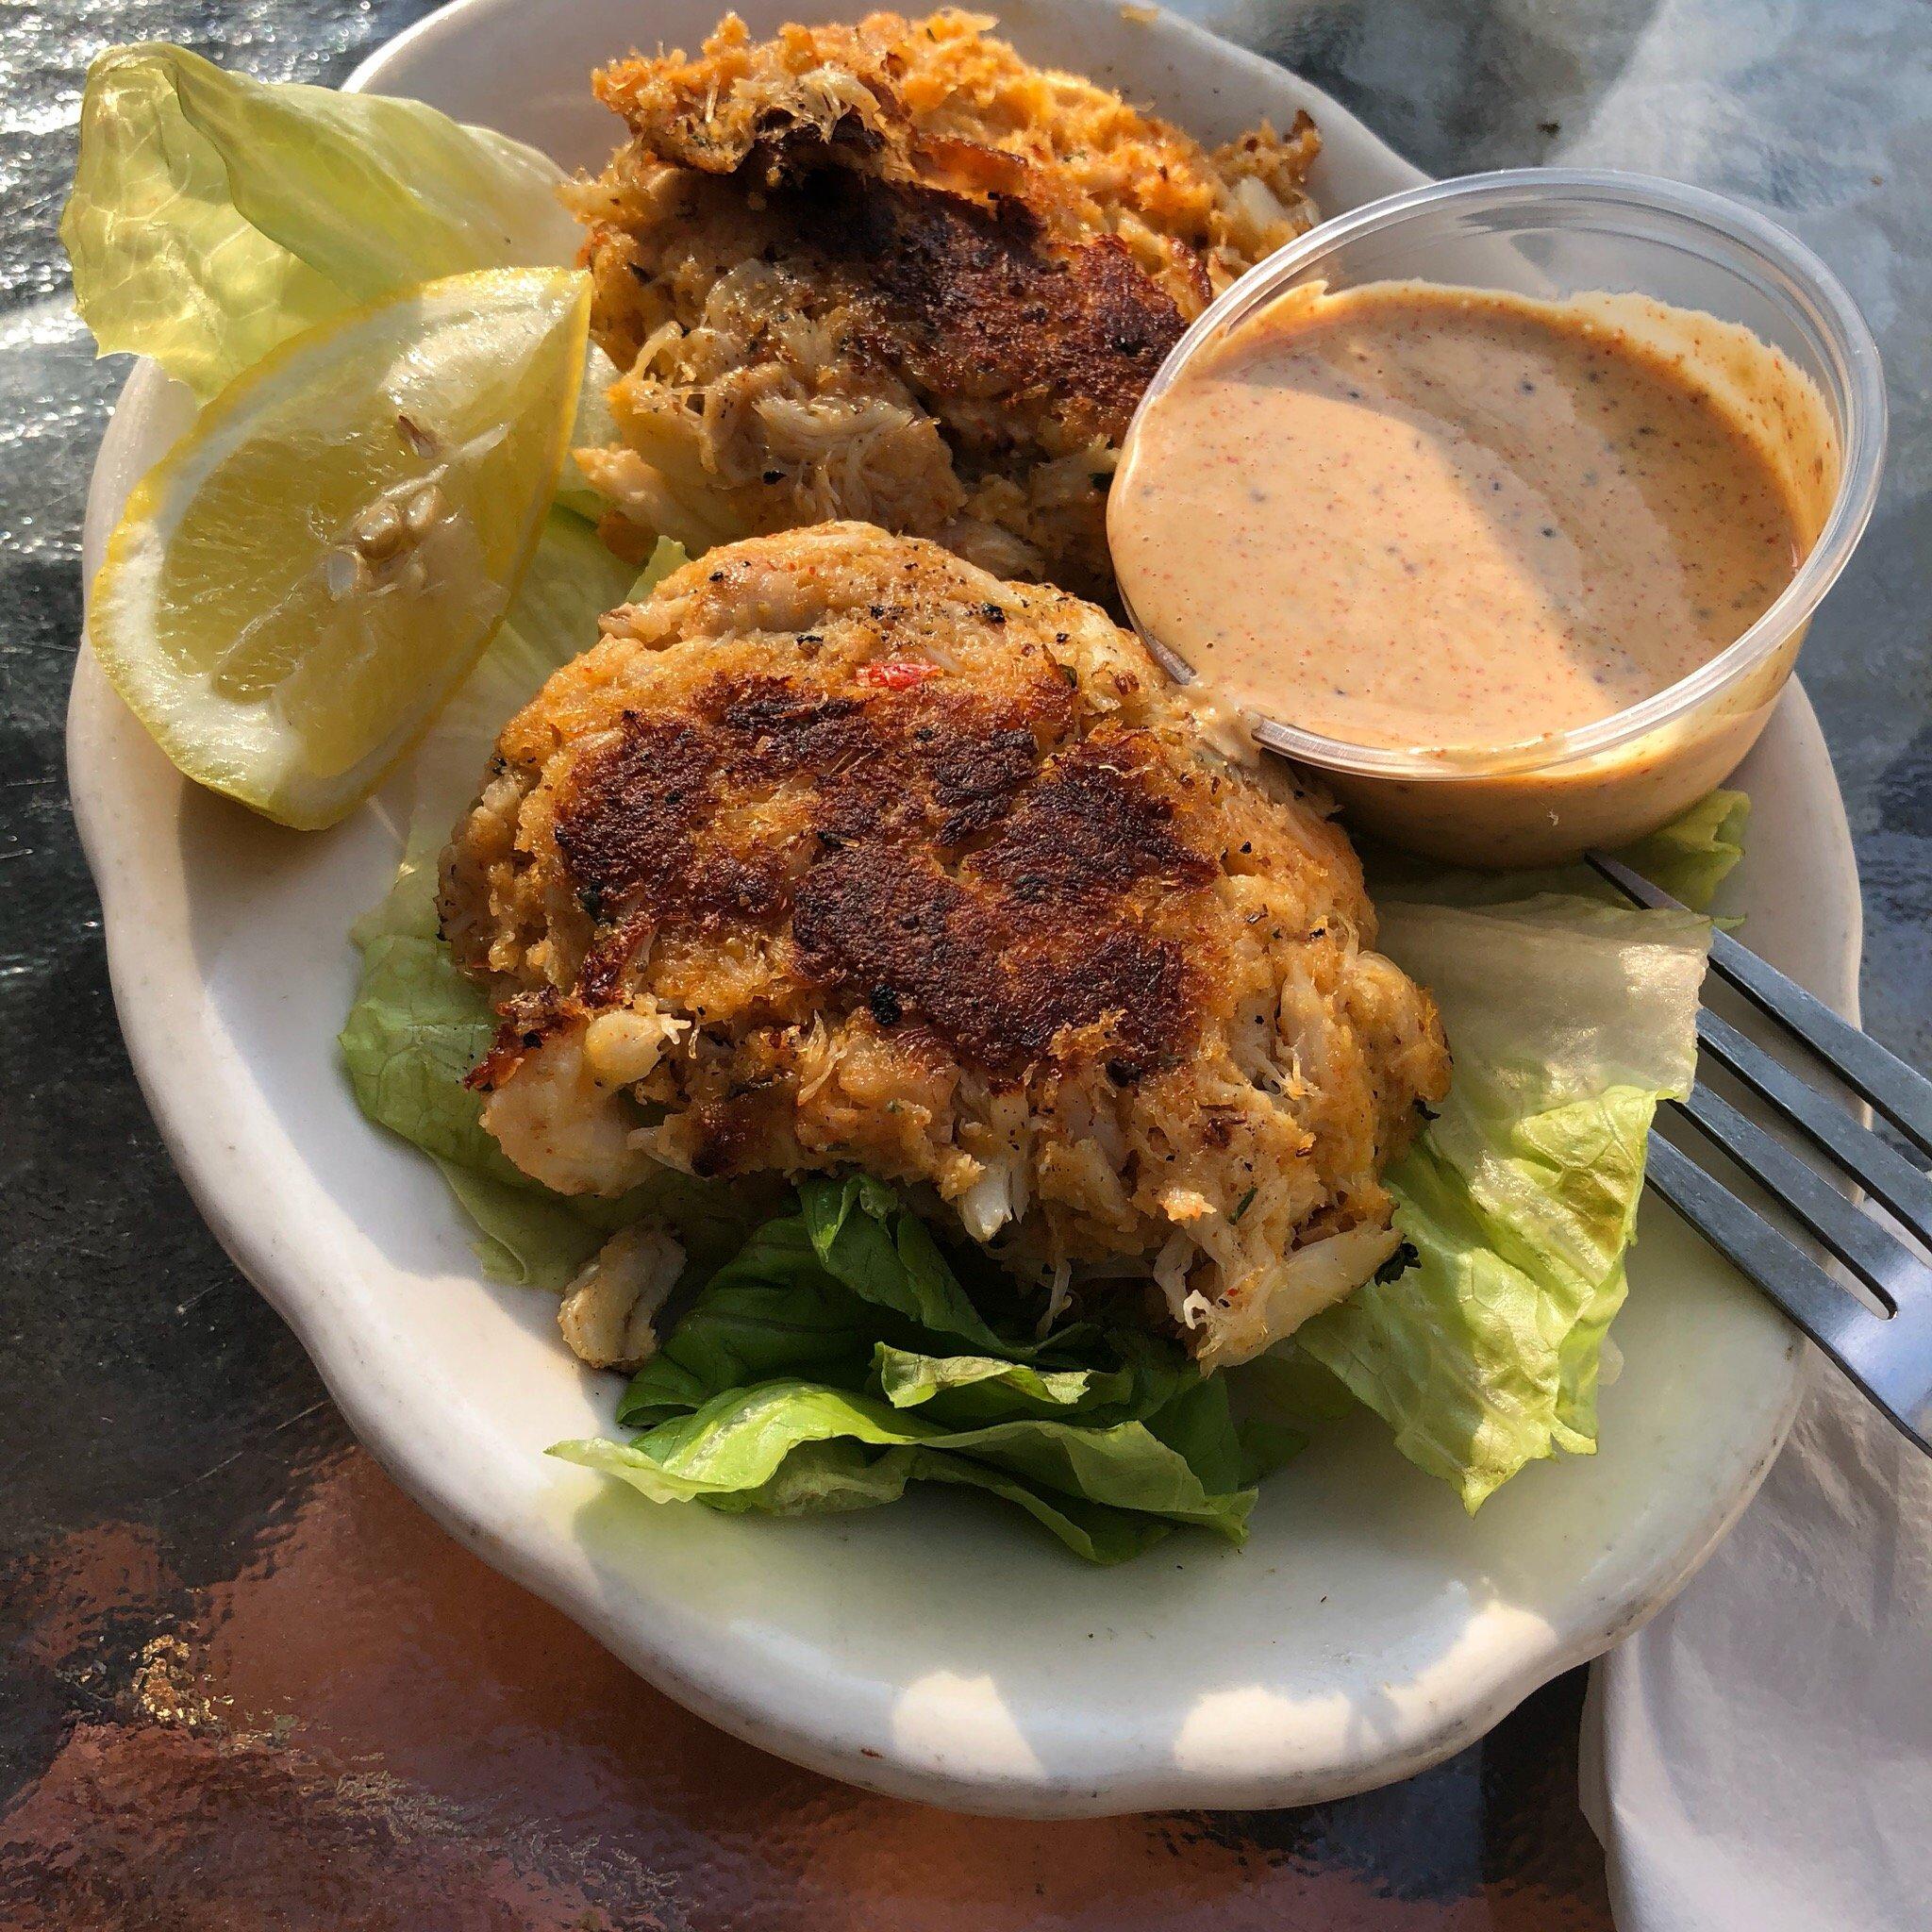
[(1570, 1015), (827, 1291), (885, 1254), (910, 1380), (1569, 1020), (596, 429), (417, 1028), (213, 216), (848, 1309), (825, 1478), (771, 1311), (1693, 856), (1079, 1481), (418, 1025), (1280, 1401), (1130, 1377), (1689, 858), (527, 1237)]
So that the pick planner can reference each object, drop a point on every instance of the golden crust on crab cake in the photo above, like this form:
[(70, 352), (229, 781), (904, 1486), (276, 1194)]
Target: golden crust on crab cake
[(893, 271), (837, 852)]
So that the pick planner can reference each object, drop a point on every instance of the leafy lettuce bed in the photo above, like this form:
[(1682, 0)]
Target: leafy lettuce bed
[(837, 1357), (823, 1349)]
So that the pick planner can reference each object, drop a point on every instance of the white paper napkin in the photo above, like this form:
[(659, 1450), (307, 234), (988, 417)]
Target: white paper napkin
[(1760, 1755)]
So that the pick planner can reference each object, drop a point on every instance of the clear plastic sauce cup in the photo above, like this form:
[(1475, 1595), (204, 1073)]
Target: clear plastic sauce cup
[(1559, 234)]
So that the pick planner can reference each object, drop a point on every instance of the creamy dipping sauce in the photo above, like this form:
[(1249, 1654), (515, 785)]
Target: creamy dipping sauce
[(1436, 544), (1418, 516)]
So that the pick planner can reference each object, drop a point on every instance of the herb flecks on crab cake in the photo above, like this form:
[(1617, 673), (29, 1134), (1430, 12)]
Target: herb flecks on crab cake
[(894, 271), (838, 852)]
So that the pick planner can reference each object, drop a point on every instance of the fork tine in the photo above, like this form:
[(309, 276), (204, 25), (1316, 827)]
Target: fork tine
[(1898, 1380), (1901, 1095), (1882, 1171), (1859, 1243)]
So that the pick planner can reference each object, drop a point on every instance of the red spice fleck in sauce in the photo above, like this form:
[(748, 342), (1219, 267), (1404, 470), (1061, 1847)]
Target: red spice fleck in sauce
[(1410, 516)]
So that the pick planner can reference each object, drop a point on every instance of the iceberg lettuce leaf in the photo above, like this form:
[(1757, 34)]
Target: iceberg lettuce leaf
[(213, 216), (1693, 856), (418, 1024), (1569, 1020), (1689, 858)]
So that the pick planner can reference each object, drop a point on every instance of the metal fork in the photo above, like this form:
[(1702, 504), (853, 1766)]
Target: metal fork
[(1889, 1353)]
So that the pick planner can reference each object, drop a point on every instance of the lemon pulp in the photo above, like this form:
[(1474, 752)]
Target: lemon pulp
[(298, 586)]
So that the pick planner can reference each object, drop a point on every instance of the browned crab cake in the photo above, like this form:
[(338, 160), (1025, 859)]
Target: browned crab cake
[(893, 269), (838, 852)]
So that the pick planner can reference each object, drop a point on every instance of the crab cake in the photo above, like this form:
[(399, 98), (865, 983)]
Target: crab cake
[(838, 852), (893, 271)]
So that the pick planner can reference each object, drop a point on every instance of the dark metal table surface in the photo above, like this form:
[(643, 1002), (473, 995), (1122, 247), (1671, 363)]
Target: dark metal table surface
[(246, 1684)]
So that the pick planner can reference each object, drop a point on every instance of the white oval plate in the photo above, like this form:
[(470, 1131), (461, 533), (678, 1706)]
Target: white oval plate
[(936, 1649)]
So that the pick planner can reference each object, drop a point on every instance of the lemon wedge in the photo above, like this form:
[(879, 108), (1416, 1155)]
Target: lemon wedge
[(294, 590)]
